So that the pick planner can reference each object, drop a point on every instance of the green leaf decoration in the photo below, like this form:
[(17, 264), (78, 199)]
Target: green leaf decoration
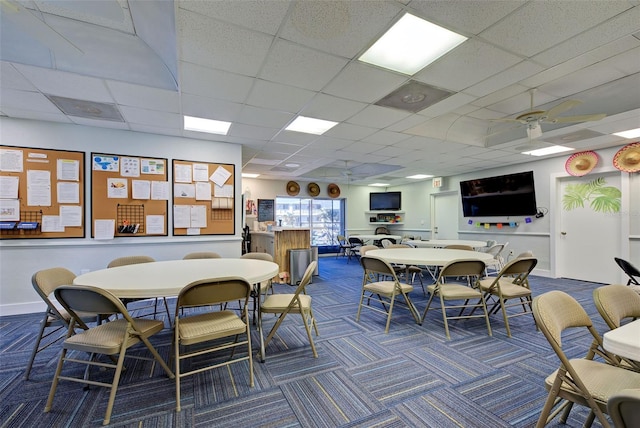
[(601, 198)]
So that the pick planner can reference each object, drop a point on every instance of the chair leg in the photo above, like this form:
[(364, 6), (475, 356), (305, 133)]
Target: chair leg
[(114, 383), (308, 329), (36, 345), (54, 384)]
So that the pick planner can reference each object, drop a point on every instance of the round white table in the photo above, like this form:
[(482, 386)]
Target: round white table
[(624, 340), (167, 278), (426, 256), (367, 238), (441, 243)]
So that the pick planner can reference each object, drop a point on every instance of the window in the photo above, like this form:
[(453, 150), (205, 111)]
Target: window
[(324, 217)]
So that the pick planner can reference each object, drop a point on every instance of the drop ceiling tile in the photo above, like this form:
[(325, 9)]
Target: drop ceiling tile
[(466, 65), (12, 79), (326, 144), (393, 152), (249, 132), (409, 122), (283, 147), (428, 145), (296, 65), (465, 17), (298, 138), (155, 129), (263, 117), (522, 102), (208, 108), (65, 84), (203, 81), (581, 80), (385, 138), (360, 147), (328, 107), (349, 131), (447, 105), (278, 97), (36, 115), (505, 78), (144, 96), (27, 100), (378, 117), (551, 22), (220, 45), (499, 95), (608, 33), (151, 117), (250, 14), (99, 123), (364, 83), (342, 28)]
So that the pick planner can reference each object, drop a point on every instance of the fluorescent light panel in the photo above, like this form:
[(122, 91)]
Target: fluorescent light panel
[(632, 133), (419, 176), (310, 125), (249, 175), (548, 151), (380, 184), (410, 45), (206, 125)]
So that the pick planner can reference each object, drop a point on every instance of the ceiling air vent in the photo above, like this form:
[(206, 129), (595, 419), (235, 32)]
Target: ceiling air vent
[(414, 96), (87, 109)]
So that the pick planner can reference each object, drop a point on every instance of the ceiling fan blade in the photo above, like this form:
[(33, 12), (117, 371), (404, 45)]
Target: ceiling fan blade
[(581, 118), (506, 119), (562, 107)]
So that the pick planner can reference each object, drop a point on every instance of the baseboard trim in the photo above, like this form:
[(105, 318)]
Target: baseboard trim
[(22, 308)]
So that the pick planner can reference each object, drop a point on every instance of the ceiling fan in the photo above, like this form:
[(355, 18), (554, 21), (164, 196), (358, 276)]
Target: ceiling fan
[(533, 119)]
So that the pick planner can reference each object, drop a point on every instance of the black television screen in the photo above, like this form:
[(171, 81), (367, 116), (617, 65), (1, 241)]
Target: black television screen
[(504, 195), (385, 201)]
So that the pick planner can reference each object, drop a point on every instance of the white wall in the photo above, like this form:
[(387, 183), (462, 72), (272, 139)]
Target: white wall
[(19, 259)]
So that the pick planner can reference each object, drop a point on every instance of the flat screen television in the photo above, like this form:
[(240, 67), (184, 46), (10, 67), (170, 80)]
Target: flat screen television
[(500, 196), (385, 201)]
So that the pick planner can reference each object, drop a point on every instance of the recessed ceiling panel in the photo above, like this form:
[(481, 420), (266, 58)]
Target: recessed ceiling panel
[(414, 96)]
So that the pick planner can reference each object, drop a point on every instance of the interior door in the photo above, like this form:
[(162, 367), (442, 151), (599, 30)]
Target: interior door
[(589, 233), (444, 215)]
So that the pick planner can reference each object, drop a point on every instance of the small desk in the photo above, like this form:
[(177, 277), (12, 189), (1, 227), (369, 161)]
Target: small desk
[(167, 278), (441, 243), (624, 340), (426, 256)]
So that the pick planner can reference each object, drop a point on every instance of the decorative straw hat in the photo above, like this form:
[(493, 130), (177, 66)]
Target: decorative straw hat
[(313, 189), (293, 188), (581, 163), (333, 190), (628, 158)]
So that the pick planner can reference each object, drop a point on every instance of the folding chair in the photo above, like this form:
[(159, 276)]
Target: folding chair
[(111, 338)]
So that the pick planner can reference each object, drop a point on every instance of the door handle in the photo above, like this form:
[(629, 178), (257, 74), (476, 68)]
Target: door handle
[(563, 233)]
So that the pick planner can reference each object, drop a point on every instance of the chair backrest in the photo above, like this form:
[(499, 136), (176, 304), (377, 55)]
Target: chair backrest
[(382, 230), (392, 246), (554, 312), (519, 268), (491, 243), (623, 408), (495, 250), (385, 243), (341, 239), (616, 302), (47, 280), (85, 299), (306, 279), (258, 256), (363, 250), (524, 254), (213, 291), (130, 260), (202, 255), (355, 241), (462, 267), (631, 271), (374, 266), (459, 247)]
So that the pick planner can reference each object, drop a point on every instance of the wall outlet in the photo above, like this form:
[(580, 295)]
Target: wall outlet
[(511, 252)]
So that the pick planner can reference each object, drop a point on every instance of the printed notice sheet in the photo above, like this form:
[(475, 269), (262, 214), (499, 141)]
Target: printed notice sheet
[(203, 191), (200, 172), (71, 215), (182, 173), (155, 225), (104, 229), (9, 210), (152, 166), (11, 160), (68, 193), (130, 167), (160, 190), (141, 189), (117, 188), (68, 170), (9, 187), (220, 176), (38, 188), (51, 223)]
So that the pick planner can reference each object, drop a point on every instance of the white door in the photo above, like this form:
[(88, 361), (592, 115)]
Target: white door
[(444, 215), (589, 235)]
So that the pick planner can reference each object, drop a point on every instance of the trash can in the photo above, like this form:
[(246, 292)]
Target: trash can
[(299, 260)]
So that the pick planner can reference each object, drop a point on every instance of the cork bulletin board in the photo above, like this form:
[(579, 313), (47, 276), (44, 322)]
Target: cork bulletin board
[(41, 193), (129, 195), (203, 198)]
